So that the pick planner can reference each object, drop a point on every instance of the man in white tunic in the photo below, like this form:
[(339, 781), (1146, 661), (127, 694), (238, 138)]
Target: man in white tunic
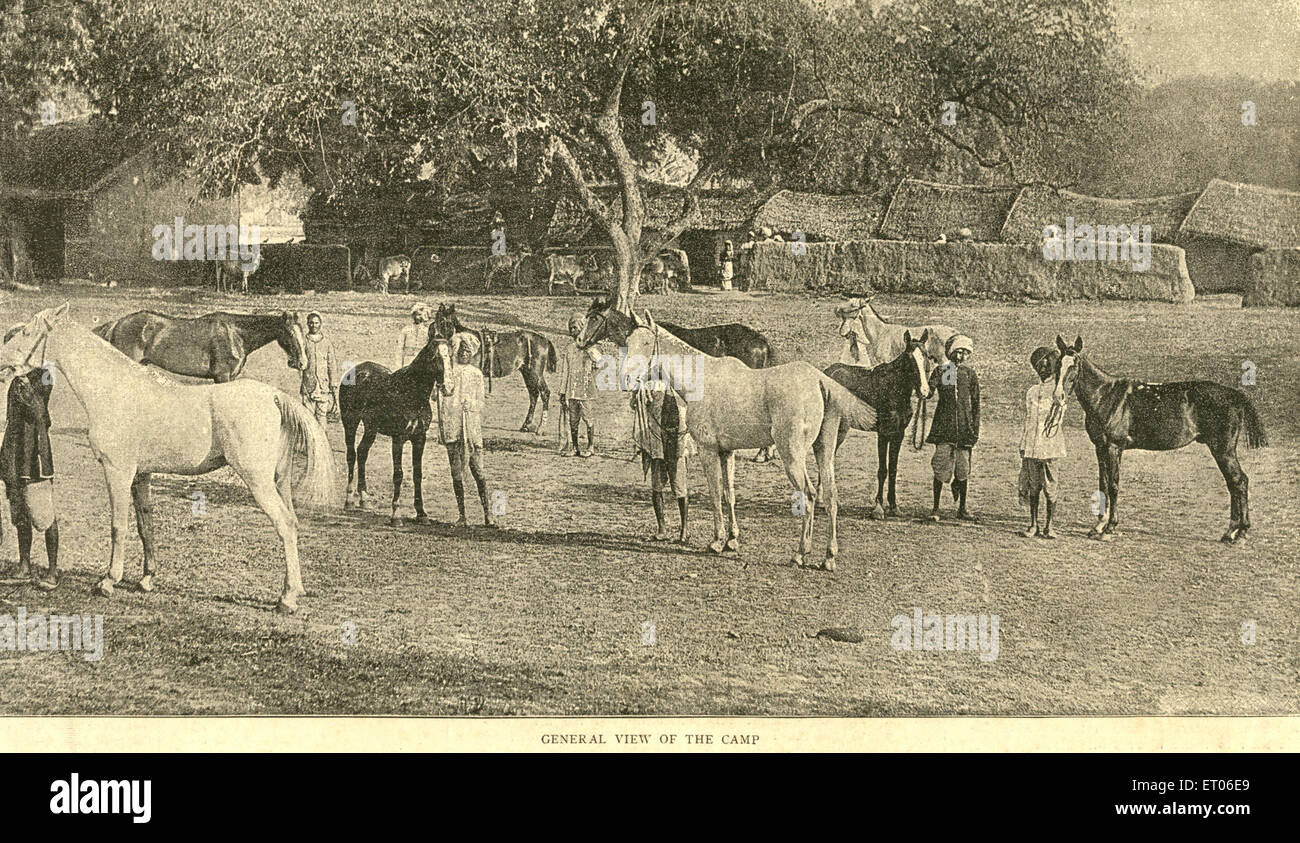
[(413, 336), (1041, 444), (460, 422)]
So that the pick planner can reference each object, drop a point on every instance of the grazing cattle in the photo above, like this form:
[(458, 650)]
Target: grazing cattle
[(231, 269), (569, 269)]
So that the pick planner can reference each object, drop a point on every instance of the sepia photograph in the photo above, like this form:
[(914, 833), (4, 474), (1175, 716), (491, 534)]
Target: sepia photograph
[(504, 360)]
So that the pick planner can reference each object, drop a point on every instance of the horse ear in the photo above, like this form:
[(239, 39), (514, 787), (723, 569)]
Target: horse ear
[(907, 337), (1060, 343), (1078, 343)]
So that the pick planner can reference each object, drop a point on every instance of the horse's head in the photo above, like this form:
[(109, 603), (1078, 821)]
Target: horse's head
[(435, 358), (851, 316), (293, 339), (914, 351), (1066, 367), (603, 322), (445, 322), (24, 350)]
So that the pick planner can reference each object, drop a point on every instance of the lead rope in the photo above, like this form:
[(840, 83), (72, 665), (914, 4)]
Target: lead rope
[(919, 419)]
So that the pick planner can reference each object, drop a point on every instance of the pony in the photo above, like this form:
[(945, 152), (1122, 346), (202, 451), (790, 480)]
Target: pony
[(391, 269), (228, 269), (141, 423), (888, 388), (861, 325), (731, 406), (729, 340), (215, 346), (1122, 413), (526, 352), (395, 404)]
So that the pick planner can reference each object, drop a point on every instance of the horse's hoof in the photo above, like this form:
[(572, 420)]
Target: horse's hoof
[(363, 505), (45, 584), (733, 545), (524, 429), (877, 514), (104, 588), (796, 561), (395, 521), (829, 564), (892, 512), (146, 583), (347, 503), (717, 546), (423, 519), (285, 607)]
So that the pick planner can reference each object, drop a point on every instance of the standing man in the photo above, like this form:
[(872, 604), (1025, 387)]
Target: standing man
[(956, 426), (320, 388), (727, 264), (460, 423), (659, 433), (27, 469), (413, 336), (578, 388), (1041, 445)]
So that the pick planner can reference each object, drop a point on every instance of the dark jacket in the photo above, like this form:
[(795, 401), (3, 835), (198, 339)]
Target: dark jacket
[(957, 417), (25, 452)]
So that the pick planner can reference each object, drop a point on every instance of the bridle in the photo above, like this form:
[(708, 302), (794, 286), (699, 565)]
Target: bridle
[(1052, 424)]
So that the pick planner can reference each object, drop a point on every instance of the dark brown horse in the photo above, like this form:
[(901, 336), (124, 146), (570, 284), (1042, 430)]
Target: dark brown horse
[(215, 346), (526, 352), (888, 388), (1121, 414), (729, 340), (395, 404)]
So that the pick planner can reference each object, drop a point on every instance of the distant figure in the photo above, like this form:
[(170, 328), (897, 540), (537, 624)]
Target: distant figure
[(413, 336), (727, 264), (965, 235), (320, 377), (460, 421), (1041, 445), (27, 469)]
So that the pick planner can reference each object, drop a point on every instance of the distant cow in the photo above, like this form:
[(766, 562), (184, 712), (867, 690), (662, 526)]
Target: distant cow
[(507, 265), (569, 269), (226, 270), (391, 269), (671, 269)]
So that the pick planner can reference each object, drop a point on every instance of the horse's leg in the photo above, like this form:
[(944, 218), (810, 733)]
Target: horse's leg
[(144, 524), (882, 475), (795, 461), (350, 439), (262, 483), (417, 476), (119, 496), (1226, 458), (825, 454), (894, 447), (532, 401), (543, 389), (399, 445), (729, 492), (713, 477), (1103, 489), (363, 453), (1112, 522)]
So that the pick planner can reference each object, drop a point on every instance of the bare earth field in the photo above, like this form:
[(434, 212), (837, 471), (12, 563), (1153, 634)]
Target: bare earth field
[(545, 615)]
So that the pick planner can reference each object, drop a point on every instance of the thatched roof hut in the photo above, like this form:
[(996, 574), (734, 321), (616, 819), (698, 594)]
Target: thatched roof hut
[(923, 210), (821, 217), (1038, 206), (1245, 214)]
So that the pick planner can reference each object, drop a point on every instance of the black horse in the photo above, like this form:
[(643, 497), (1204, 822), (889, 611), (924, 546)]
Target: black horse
[(888, 388), (395, 404), (526, 352), (730, 340), (1121, 413)]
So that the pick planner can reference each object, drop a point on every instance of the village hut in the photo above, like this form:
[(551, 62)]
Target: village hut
[(1231, 222), (924, 211), (1038, 206)]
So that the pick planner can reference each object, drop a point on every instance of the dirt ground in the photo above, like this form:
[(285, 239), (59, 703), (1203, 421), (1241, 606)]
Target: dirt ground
[(546, 615)]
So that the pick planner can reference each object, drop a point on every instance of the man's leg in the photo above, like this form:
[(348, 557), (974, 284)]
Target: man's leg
[(23, 526), (941, 464), (657, 497), (475, 458), (456, 462), (961, 481), (575, 418)]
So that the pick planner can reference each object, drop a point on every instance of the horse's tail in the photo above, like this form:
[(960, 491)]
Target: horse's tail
[(301, 433), (551, 362), (1255, 435), (857, 413)]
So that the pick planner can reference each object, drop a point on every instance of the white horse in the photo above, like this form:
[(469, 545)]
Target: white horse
[(730, 407), (871, 341), (141, 423)]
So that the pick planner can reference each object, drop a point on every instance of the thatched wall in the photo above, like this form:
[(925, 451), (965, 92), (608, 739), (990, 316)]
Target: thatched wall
[(992, 270), (1274, 279), (821, 217), (1216, 266), (922, 210), (1039, 206), (1246, 214)]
